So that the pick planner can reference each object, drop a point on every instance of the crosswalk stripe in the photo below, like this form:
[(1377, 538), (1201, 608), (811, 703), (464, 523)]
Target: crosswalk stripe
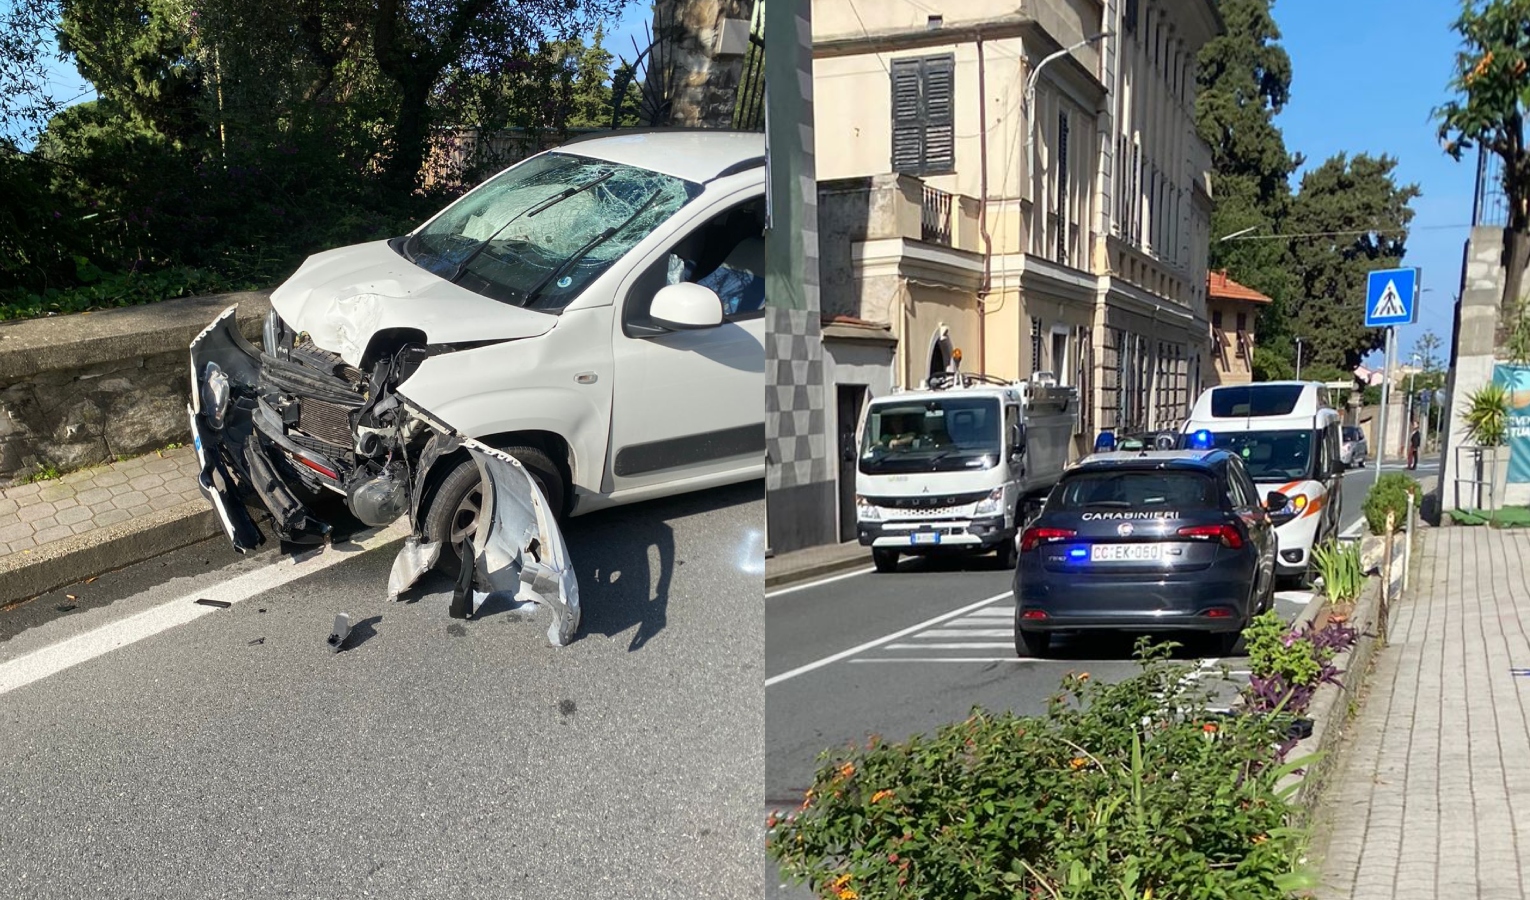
[(966, 633), (970, 645)]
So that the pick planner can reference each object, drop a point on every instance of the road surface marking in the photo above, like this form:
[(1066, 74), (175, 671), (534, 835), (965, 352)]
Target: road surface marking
[(887, 639), (944, 659), (969, 645), (1353, 530), (70, 652), (812, 584), (968, 632)]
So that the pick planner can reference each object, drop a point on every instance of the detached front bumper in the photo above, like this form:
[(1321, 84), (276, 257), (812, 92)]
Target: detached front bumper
[(244, 407)]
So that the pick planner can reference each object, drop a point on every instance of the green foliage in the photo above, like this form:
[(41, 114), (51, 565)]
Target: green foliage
[(1344, 195), (1270, 365), (1338, 564), (45, 472), (1272, 651), (1124, 790), (1486, 415), (1390, 494)]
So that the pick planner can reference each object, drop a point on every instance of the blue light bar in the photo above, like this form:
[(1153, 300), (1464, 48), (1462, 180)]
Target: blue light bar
[(1201, 440)]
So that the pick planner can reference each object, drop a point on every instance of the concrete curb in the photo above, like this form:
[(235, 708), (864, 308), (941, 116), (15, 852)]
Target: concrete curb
[(820, 569), (1330, 707), (96, 552)]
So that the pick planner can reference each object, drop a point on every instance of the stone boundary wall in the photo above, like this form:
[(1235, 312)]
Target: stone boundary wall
[(83, 389)]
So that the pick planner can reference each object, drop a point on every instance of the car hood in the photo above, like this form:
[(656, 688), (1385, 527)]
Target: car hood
[(343, 297)]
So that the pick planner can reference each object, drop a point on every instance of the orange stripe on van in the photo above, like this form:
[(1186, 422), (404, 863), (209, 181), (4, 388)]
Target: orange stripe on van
[(1315, 504)]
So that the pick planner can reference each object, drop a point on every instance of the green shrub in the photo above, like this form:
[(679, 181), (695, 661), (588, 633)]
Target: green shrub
[(1338, 564), (1125, 790), (1273, 650), (1390, 493)]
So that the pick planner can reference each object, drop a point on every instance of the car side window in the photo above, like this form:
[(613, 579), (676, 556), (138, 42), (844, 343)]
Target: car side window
[(726, 255), (1235, 491)]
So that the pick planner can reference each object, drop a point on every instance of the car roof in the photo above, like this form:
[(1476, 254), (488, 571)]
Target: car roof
[(1152, 459), (693, 154)]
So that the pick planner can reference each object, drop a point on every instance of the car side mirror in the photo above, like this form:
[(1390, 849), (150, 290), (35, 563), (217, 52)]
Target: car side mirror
[(1016, 442), (1275, 501), (686, 306)]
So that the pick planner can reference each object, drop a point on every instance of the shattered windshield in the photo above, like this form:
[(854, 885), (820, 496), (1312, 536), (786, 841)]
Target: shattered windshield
[(538, 234), (932, 436)]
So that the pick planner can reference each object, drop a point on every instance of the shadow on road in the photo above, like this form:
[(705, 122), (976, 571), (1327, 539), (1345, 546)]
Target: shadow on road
[(1119, 646), (626, 559)]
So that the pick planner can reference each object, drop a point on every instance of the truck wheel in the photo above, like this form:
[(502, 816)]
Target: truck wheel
[(1006, 553), (453, 513), (885, 560)]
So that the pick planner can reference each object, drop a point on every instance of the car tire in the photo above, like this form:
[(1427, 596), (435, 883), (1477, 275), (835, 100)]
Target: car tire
[(884, 560), (1229, 643), (1006, 553), (453, 513), (1031, 644)]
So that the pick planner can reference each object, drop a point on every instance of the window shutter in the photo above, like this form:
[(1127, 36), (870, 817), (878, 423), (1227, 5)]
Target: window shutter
[(907, 121), (940, 114), (1063, 219)]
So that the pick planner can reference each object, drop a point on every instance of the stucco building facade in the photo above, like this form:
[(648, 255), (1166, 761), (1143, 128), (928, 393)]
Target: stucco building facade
[(1233, 309)]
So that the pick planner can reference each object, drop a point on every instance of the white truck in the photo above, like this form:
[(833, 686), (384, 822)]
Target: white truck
[(959, 466)]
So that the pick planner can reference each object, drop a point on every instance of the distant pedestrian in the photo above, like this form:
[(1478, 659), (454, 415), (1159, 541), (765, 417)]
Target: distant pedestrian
[(1413, 441)]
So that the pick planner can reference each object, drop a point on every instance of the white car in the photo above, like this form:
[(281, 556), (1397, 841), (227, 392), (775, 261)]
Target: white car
[(592, 317)]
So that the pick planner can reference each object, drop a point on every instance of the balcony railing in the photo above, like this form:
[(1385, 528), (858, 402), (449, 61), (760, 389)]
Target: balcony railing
[(935, 217)]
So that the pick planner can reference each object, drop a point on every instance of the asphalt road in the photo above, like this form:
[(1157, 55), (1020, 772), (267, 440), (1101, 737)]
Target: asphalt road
[(902, 653), (227, 752)]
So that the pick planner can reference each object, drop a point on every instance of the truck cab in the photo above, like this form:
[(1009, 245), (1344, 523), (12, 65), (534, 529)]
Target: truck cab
[(958, 466)]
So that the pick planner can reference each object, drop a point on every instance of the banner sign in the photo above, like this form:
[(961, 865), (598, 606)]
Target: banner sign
[(1516, 382)]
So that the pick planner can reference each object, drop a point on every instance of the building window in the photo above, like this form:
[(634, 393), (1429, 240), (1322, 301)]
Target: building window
[(923, 127), (1064, 220), (1242, 321), (1084, 367), (1036, 346), (1216, 318)]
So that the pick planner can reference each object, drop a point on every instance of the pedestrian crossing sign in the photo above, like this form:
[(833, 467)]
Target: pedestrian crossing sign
[(1391, 298)]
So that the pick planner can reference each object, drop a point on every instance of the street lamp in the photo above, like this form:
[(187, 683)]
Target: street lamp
[(1030, 98), (1237, 234), (1298, 359)]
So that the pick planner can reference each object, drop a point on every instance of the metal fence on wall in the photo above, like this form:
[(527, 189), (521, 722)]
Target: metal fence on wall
[(749, 108), (1489, 205)]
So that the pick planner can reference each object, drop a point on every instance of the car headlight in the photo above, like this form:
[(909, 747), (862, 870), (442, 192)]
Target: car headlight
[(993, 504), (1295, 505), (214, 394), (269, 332), (865, 509)]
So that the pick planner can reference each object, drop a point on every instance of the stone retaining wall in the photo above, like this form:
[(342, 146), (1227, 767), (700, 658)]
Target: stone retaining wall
[(81, 390)]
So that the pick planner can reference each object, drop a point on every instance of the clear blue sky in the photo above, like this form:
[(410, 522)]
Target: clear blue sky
[(1365, 75)]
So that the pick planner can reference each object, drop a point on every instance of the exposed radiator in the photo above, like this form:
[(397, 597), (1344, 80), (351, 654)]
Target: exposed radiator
[(328, 422)]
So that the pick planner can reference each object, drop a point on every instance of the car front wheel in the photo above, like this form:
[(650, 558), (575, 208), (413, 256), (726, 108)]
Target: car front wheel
[(453, 515)]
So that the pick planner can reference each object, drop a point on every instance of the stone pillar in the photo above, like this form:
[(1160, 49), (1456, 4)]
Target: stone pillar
[(800, 503), (1471, 355), (707, 43)]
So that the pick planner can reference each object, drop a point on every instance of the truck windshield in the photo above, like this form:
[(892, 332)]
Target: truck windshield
[(538, 233), (932, 435), (1270, 455)]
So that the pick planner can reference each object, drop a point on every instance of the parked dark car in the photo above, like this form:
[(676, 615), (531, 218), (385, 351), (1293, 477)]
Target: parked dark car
[(1174, 540)]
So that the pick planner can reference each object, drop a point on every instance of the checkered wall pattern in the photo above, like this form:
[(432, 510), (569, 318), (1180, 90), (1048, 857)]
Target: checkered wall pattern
[(796, 429)]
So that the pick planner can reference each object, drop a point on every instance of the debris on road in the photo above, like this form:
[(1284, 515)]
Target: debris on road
[(220, 604), (340, 632)]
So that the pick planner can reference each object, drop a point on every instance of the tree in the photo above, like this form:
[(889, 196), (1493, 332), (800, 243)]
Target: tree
[(1244, 78), (25, 27), (1427, 348), (1349, 217), (1493, 93)]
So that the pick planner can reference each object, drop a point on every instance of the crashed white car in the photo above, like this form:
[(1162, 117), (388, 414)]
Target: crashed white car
[(582, 330)]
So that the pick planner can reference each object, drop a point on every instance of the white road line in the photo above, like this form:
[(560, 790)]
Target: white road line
[(812, 584), (872, 645), (967, 632), (55, 658), (1354, 529), (944, 659), (968, 645), (996, 612)]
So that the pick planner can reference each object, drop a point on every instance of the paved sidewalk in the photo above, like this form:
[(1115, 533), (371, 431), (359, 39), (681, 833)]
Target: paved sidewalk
[(1430, 794), (44, 511), (815, 562)]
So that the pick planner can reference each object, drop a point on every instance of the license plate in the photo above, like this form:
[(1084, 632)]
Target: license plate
[(1125, 552), (925, 537)]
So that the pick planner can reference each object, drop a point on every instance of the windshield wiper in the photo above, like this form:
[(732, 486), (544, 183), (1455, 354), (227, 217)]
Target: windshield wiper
[(582, 252), (545, 205)]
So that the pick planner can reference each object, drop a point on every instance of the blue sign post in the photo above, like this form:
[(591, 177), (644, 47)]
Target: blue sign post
[(1391, 299)]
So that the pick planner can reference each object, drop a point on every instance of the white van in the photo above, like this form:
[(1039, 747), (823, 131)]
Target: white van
[(592, 317), (1288, 435)]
